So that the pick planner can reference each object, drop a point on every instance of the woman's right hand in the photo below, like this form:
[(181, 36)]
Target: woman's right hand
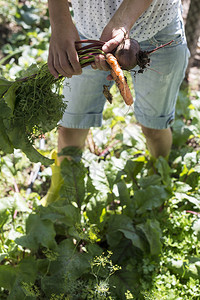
[(63, 58)]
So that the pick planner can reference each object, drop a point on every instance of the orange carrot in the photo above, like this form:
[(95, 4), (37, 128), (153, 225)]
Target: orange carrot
[(119, 78)]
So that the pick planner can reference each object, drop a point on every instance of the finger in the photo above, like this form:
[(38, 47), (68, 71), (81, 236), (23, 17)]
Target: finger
[(103, 63), (78, 45), (74, 62), (70, 63), (65, 65), (59, 68), (111, 44), (51, 68), (97, 62), (100, 63), (93, 65)]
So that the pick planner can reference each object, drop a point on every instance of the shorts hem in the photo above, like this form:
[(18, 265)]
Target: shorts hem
[(163, 122), (81, 121)]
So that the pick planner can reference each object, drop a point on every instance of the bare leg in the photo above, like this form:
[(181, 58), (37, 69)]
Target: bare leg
[(159, 141), (66, 137), (71, 137)]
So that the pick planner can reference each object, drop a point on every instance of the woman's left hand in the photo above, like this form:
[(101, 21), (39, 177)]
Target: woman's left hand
[(113, 37)]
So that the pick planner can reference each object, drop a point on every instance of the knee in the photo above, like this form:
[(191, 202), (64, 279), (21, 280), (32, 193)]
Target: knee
[(62, 130), (72, 137), (65, 132), (152, 134)]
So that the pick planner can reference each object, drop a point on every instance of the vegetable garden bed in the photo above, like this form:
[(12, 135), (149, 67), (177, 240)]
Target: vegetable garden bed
[(124, 228)]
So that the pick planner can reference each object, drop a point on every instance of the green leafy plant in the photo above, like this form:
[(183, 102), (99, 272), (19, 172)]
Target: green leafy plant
[(30, 106), (123, 226)]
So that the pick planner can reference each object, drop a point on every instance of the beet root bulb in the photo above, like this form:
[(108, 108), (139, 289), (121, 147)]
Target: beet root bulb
[(127, 54)]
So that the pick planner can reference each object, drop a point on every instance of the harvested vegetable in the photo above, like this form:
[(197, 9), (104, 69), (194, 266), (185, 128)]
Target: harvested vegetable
[(119, 78), (129, 55), (30, 106), (87, 56), (126, 56)]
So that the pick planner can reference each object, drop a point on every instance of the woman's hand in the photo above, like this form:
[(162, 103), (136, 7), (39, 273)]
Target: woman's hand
[(63, 58), (113, 37), (119, 27)]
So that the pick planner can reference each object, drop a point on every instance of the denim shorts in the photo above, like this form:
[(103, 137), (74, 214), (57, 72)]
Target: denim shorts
[(156, 90)]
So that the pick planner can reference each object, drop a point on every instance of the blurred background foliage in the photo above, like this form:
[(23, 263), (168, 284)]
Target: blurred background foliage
[(24, 35)]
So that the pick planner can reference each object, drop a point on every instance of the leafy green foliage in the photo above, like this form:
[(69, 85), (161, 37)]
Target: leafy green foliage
[(27, 26), (123, 226), (38, 107), (120, 229), (136, 216), (29, 108), (23, 116)]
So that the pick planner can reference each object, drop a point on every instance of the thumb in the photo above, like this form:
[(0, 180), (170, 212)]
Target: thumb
[(112, 44)]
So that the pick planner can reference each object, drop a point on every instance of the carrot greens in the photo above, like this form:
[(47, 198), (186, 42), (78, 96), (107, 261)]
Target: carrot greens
[(29, 107)]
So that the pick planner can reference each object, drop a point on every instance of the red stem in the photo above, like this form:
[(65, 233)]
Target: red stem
[(90, 52), (88, 56), (90, 41), (85, 64), (15, 214), (91, 46), (105, 151), (85, 57), (193, 212), (169, 43)]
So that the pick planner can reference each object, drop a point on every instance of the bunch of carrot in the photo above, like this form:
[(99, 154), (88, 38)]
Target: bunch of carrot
[(87, 56)]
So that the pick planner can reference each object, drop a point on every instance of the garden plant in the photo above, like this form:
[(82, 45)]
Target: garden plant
[(124, 226)]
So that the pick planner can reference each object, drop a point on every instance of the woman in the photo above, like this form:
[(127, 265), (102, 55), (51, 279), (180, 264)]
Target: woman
[(152, 23)]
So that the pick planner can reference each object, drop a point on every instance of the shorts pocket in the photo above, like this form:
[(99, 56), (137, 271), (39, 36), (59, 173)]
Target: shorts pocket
[(172, 32)]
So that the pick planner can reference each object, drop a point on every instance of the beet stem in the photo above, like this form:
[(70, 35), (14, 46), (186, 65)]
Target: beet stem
[(90, 41), (89, 47), (91, 52), (86, 60), (169, 43), (85, 64)]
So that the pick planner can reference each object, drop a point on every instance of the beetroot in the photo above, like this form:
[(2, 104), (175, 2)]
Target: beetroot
[(129, 55)]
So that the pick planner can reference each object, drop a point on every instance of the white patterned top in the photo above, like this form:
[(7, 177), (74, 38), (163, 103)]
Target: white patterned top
[(91, 16)]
